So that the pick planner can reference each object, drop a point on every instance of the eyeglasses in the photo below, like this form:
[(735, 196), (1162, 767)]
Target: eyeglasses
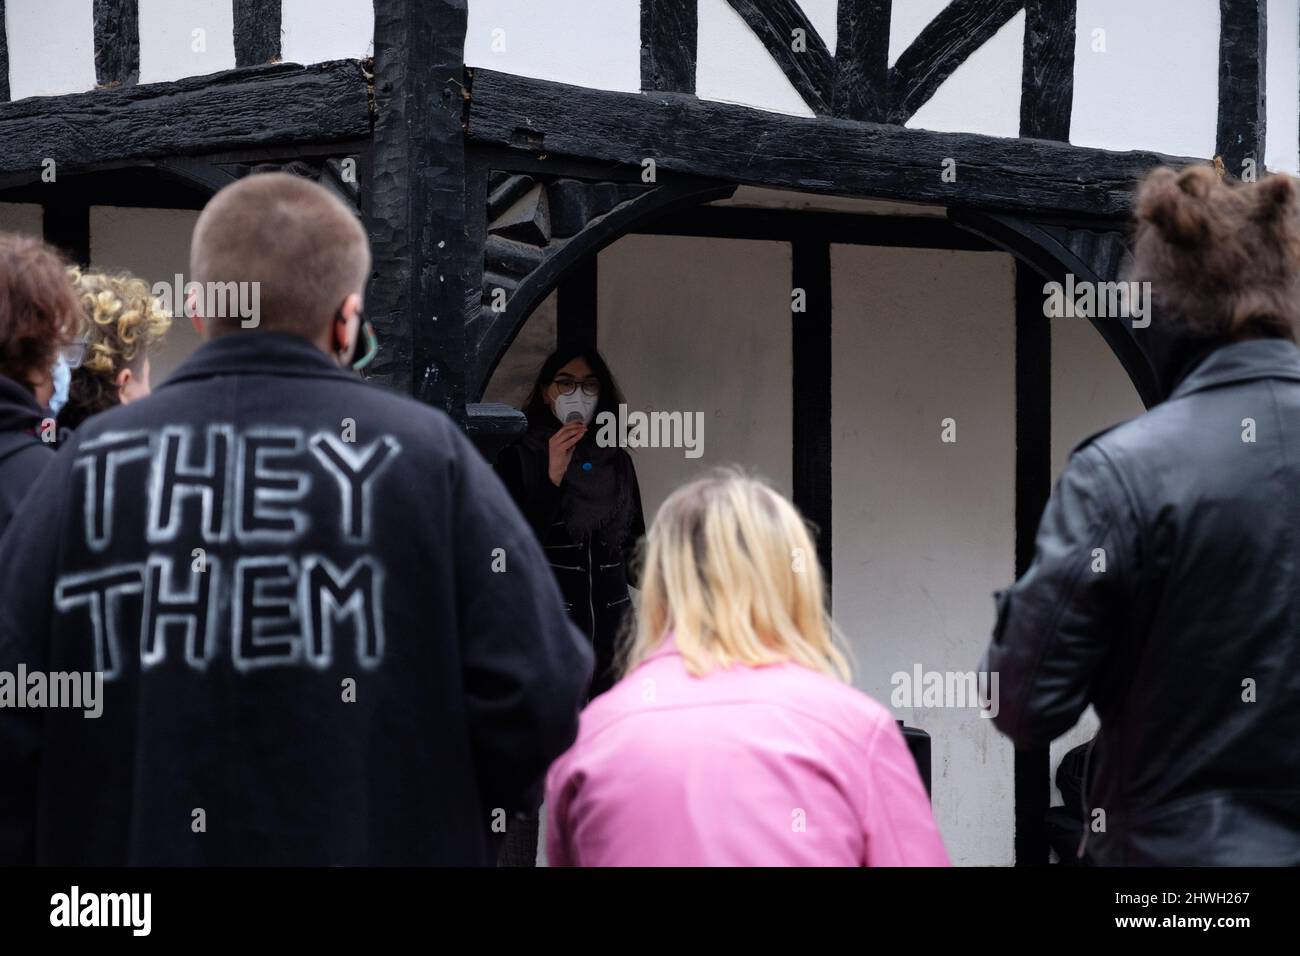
[(567, 386), (73, 354)]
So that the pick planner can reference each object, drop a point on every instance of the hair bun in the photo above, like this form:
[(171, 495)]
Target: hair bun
[(1175, 203), (1274, 196)]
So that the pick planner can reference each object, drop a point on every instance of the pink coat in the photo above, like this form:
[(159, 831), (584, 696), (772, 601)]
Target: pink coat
[(768, 766)]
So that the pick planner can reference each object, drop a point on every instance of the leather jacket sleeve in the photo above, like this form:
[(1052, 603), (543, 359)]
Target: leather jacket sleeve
[(1058, 623)]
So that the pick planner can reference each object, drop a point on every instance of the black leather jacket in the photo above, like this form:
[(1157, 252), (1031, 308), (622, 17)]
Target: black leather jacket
[(1166, 592)]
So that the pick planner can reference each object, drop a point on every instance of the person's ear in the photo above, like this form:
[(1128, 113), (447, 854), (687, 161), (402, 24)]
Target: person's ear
[(347, 328), (123, 379), (193, 302)]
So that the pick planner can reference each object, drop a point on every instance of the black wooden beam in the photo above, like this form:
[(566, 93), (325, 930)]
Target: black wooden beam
[(787, 225), (257, 31), (117, 42), (576, 305), (811, 425), (1033, 779), (67, 228), (811, 71), (259, 106), (669, 38), (413, 201), (4, 56), (1047, 89), (945, 44), (862, 60), (1243, 43), (732, 143)]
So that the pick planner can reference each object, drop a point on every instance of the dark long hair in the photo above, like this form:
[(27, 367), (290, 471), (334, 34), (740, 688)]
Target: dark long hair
[(539, 413)]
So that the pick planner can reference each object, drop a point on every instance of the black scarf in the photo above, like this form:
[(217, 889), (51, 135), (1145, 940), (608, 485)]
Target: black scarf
[(1174, 350), (597, 487)]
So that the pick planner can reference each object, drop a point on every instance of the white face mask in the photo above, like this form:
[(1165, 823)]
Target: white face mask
[(580, 403), (61, 375)]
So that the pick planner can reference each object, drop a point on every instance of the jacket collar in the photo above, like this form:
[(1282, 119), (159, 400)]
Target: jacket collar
[(1243, 362), (254, 353)]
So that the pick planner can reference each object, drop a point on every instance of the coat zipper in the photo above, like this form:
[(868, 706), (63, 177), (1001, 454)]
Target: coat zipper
[(591, 596)]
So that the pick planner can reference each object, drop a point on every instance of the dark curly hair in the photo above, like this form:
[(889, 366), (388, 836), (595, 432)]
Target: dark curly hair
[(38, 308), (1223, 258)]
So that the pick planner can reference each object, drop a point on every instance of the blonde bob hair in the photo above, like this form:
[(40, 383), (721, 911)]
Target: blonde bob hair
[(731, 570)]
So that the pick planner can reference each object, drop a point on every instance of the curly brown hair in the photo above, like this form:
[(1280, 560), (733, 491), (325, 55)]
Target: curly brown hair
[(38, 308), (1222, 257), (120, 322)]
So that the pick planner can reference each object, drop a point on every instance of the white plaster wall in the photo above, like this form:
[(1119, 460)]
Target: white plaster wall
[(181, 38), (26, 219), (702, 325), (923, 530), (1282, 140), (594, 43), (154, 244), (318, 30), (51, 47), (513, 378), (733, 65), (1156, 84)]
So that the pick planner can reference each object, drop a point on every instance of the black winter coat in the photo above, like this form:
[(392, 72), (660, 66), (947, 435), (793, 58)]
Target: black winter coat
[(593, 574), (341, 647), (1166, 592), (23, 456)]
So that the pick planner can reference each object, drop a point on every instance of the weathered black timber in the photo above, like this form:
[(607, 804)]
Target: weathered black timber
[(413, 200), (958, 31), (1243, 44), (810, 69), (1053, 252), (257, 31), (279, 104), (117, 42), (812, 422), (823, 155), (862, 60), (669, 38), (1047, 86), (492, 331), (576, 305), (66, 226), (1033, 772), (787, 225)]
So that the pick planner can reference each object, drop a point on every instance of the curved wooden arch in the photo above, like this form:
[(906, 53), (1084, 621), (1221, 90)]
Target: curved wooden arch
[(499, 329), (1057, 251)]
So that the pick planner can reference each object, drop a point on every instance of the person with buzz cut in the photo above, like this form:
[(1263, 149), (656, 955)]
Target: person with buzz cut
[(327, 635)]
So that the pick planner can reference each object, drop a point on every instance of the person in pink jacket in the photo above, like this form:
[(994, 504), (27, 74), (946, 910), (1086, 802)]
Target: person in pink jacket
[(733, 738)]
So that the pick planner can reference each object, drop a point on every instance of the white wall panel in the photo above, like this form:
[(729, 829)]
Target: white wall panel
[(1282, 142), (983, 94), (924, 531), (51, 47), (180, 38), (594, 43), (314, 31), (1155, 85)]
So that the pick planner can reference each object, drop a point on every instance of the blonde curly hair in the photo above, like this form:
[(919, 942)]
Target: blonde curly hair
[(120, 322)]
